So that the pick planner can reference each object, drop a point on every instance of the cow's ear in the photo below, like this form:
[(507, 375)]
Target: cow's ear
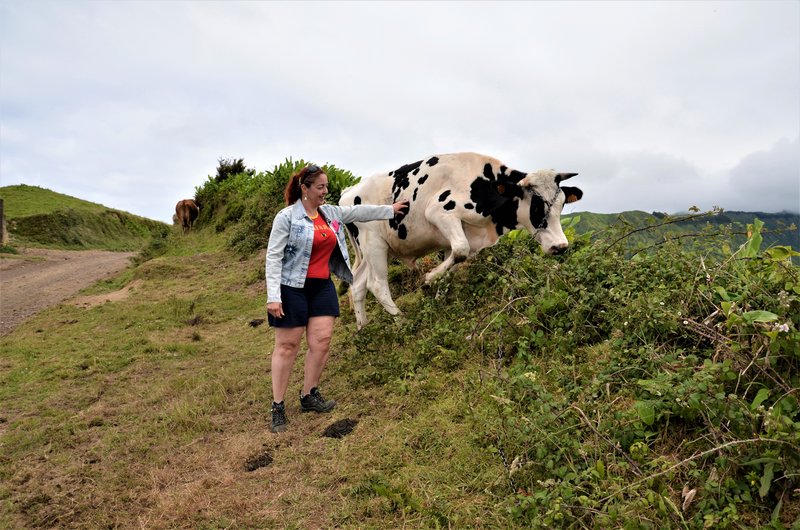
[(508, 189), (572, 194)]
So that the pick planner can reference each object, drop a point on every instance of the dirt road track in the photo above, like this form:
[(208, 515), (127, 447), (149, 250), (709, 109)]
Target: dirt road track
[(40, 278)]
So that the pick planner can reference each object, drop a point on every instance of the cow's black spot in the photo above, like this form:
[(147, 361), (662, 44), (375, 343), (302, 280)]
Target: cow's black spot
[(432, 161), (450, 205), (503, 170), (444, 195), (401, 177), (415, 171), (516, 176), (488, 172), (538, 212), (469, 206), (422, 179), (490, 203), (402, 232), (357, 200), (415, 193)]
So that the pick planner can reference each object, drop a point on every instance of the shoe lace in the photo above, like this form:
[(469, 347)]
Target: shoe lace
[(278, 415)]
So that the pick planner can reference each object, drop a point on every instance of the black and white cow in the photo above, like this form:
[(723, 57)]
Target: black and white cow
[(459, 203)]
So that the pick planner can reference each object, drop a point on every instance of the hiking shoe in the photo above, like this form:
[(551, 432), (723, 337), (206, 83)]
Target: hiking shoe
[(279, 421), (314, 402)]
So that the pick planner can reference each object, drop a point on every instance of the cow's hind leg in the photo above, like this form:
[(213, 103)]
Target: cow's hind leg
[(376, 253), (358, 292)]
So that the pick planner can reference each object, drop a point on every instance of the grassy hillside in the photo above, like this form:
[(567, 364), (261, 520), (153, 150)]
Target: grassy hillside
[(40, 217), (589, 390)]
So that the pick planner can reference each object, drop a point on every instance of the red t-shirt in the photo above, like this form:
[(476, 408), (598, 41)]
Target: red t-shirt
[(321, 249)]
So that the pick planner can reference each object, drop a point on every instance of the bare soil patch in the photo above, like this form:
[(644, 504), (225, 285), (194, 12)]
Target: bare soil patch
[(38, 278)]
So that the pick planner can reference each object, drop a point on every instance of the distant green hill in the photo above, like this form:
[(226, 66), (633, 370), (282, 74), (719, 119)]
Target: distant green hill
[(779, 228), (38, 217)]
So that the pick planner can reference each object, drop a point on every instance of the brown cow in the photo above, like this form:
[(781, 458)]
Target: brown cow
[(186, 211)]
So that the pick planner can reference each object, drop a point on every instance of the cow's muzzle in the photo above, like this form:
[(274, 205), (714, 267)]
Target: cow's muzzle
[(559, 249)]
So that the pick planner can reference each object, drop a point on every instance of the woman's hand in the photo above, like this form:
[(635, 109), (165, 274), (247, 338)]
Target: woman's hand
[(401, 208), (275, 309)]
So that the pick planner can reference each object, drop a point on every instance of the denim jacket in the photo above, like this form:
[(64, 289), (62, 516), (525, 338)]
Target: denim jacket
[(289, 248)]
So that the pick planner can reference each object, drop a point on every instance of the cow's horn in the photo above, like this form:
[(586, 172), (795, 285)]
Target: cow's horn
[(564, 176)]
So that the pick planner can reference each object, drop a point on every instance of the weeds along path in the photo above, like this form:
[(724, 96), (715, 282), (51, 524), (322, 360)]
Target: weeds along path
[(40, 278)]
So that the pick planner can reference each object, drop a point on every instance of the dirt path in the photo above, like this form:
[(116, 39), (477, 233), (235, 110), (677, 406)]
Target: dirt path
[(40, 278)]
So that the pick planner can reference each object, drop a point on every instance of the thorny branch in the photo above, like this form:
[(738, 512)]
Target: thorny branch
[(616, 448), (695, 457), (664, 223)]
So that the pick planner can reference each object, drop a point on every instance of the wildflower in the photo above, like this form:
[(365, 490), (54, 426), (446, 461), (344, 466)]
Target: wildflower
[(782, 327)]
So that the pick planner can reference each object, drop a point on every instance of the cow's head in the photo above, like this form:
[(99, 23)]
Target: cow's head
[(541, 199)]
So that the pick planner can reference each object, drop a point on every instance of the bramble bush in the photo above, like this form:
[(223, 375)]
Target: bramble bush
[(244, 203), (620, 387)]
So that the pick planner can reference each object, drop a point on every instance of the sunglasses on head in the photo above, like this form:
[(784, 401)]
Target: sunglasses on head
[(313, 168)]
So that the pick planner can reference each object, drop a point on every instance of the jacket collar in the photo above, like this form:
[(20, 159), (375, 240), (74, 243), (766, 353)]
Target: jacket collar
[(299, 211)]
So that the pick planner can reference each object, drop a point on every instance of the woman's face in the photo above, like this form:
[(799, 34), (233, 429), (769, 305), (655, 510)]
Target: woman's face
[(316, 191)]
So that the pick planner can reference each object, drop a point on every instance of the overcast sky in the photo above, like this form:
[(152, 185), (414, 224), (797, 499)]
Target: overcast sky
[(658, 106)]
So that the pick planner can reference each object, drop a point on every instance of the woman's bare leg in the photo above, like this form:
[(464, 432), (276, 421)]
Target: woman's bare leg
[(318, 335), (287, 344)]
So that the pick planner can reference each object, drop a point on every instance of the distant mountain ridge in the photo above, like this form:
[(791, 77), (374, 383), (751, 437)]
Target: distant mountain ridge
[(779, 228)]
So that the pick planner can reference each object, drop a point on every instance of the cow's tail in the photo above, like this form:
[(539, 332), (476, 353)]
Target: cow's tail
[(358, 256), (352, 236)]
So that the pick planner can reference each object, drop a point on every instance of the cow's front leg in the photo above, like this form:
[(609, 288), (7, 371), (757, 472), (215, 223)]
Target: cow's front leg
[(452, 229)]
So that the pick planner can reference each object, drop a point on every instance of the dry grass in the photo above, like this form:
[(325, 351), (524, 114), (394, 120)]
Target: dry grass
[(143, 412)]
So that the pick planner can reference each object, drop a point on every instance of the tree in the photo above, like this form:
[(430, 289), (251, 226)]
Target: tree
[(229, 167)]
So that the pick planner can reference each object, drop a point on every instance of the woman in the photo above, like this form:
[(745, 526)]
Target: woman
[(306, 244)]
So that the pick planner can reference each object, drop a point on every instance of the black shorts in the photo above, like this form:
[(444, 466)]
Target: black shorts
[(316, 299)]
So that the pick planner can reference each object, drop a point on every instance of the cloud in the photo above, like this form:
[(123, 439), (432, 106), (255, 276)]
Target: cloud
[(767, 180), (652, 103)]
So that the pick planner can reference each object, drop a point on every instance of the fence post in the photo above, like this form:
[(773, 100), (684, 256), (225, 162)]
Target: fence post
[(3, 231)]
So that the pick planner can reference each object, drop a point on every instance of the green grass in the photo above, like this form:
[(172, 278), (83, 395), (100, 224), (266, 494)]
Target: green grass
[(23, 201), (37, 217)]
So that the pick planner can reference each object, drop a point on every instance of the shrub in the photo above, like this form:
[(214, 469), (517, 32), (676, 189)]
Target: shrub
[(245, 203), (615, 388)]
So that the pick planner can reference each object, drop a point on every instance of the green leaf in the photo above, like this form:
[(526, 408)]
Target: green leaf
[(645, 411), (722, 293), (776, 514), (761, 396), (570, 222), (759, 316), (763, 460), (780, 253), (600, 468), (753, 245), (726, 307), (766, 480)]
